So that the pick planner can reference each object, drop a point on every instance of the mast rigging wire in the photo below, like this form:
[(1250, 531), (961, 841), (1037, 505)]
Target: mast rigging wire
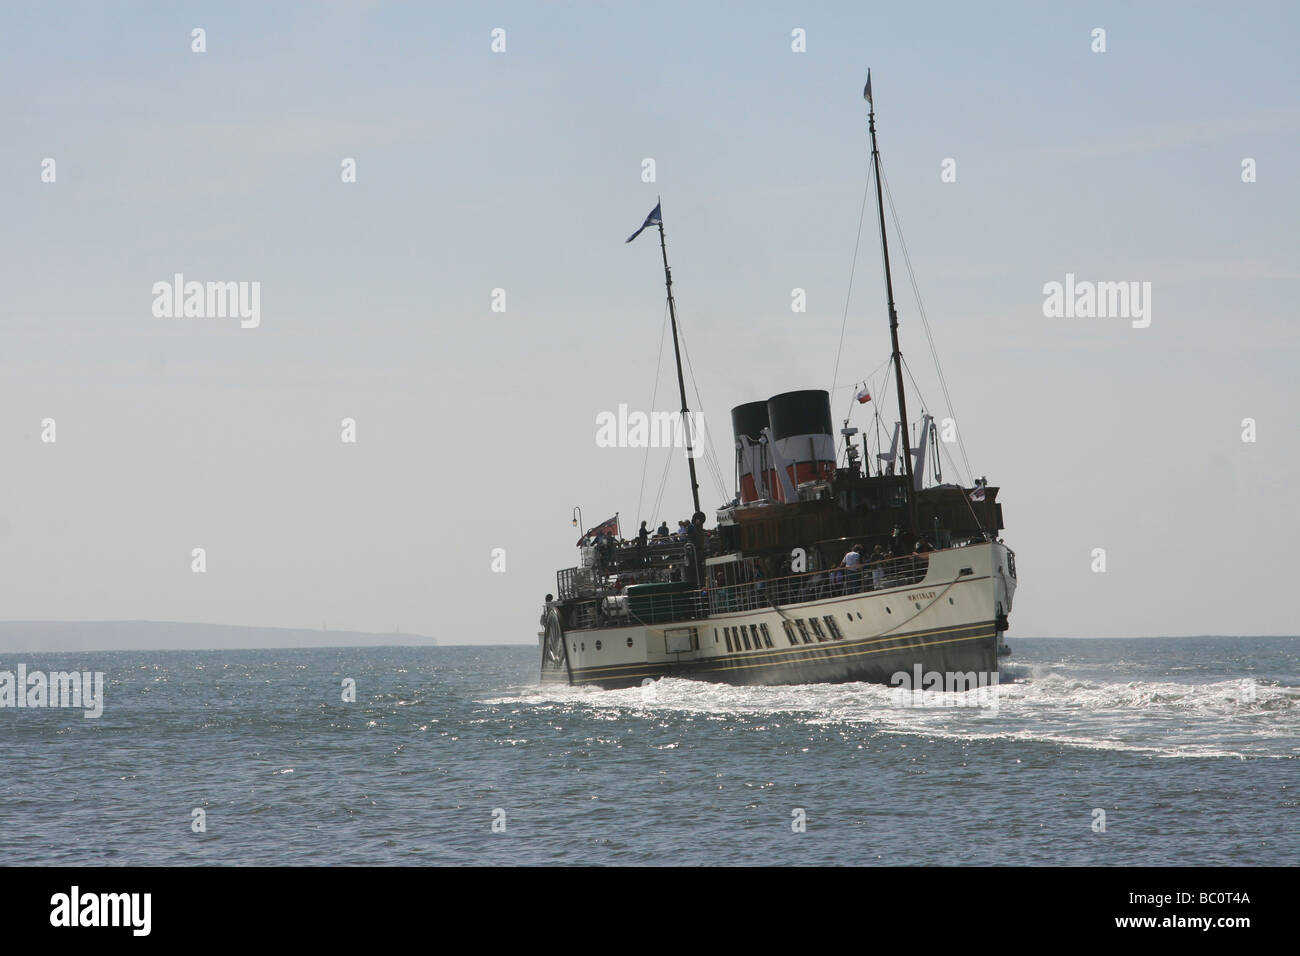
[(654, 397), (939, 449), (848, 296), (925, 322), (709, 455)]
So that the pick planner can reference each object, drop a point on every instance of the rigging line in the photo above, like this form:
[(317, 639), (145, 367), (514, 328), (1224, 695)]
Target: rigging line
[(952, 461), (663, 483), (879, 469), (868, 385), (925, 321), (645, 465), (848, 296), (941, 450), (880, 403), (887, 384), (927, 408), (710, 455), (706, 437)]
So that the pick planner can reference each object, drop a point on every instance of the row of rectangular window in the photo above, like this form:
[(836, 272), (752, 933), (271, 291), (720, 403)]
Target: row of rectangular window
[(804, 631), (739, 638)]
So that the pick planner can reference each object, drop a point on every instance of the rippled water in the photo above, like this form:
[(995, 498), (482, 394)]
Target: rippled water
[(1189, 746)]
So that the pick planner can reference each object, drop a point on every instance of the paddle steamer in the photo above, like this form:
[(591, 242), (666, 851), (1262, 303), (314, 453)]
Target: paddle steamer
[(772, 594)]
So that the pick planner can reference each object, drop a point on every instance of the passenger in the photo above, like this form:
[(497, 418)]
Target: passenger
[(721, 596), (642, 539), (695, 536), (878, 561), (662, 532), (922, 547), (853, 573)]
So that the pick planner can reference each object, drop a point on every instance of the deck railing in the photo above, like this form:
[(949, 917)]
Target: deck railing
[(763, 592)]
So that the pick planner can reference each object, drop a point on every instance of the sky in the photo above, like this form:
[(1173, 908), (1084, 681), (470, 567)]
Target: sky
[(522, 169)]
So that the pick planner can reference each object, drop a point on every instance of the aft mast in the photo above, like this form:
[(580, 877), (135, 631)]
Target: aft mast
[(656, 219), (893, 318)]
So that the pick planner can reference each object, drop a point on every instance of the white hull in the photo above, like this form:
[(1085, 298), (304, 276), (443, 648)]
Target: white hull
[(949, 621)]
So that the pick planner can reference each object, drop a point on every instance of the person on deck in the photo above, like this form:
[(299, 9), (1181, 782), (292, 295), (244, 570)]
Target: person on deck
[(605, 546), (878, 561), (642, 539), (853, 571), (695, 535)]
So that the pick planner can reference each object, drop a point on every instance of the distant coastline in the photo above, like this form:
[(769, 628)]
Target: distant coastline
[(36, 636)]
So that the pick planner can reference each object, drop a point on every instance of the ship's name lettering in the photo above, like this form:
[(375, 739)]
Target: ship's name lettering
[(921, 596)]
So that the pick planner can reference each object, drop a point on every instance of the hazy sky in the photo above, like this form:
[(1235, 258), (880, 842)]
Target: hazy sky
[(522, 170)]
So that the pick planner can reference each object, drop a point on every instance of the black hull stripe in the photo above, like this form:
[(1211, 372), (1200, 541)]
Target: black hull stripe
[(788, 655), (875, 650), (798, 669)]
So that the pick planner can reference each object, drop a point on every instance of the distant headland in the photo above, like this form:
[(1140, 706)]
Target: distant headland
[(36, 636)]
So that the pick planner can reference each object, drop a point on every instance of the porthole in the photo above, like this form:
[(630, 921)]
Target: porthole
[(918, 605), (629, 640), (888, 611), (598, 645), (584, 645), (949, 600)]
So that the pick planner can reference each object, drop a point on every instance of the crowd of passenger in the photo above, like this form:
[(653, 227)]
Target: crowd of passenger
[(856, 572), (649, 543), (773, 581)]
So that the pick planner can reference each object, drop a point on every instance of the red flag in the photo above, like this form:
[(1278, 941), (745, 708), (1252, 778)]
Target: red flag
[(863, 397), (608, 527)]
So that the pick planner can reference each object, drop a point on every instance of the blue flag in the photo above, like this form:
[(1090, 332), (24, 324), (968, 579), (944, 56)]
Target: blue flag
[(654, 219)]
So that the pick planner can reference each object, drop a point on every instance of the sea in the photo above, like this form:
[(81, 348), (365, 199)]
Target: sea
[(1156, 751)]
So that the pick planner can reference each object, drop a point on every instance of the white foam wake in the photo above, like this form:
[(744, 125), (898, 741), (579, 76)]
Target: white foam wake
[(1227, 718)]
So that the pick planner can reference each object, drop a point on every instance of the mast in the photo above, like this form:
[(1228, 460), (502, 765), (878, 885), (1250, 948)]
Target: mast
[(681, 382), (893, 316)]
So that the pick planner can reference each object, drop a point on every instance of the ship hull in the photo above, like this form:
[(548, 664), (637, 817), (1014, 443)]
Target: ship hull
[(950, 623)]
